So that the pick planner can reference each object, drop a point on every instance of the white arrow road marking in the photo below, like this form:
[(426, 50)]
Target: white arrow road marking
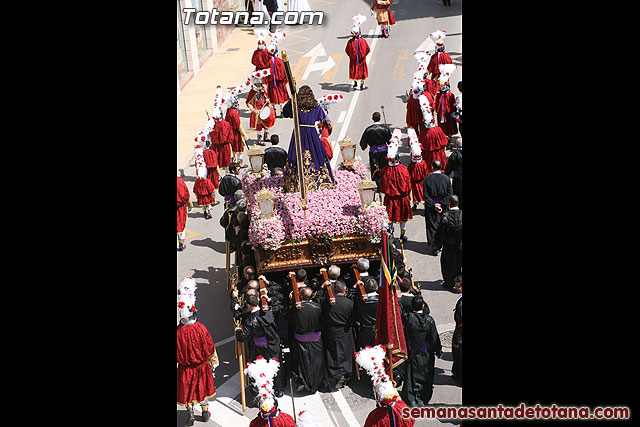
[(325, 66), (428, 44)]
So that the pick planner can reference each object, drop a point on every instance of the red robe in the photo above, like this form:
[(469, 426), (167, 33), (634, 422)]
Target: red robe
[(431, 87), (417, 171), (195, 380), (395, 183), (414, 113), (203, 189), (233, 118), (357, 60), (433, 143), (221, 137), (277, 91), (260, 58), (435, 61), (280, 420), (379, 417), (445, 105), (183, 196), (211, 161), (324, 137)]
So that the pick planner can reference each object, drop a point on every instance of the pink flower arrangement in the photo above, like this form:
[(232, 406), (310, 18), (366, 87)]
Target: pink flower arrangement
[(332, 213)]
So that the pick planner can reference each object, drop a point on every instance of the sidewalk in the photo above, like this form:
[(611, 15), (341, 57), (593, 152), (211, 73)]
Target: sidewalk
[(226, 67)]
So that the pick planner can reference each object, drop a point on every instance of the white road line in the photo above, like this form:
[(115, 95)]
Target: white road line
[(352, 105), (341, 116), (311, 403), (225, 341), (345, 409)]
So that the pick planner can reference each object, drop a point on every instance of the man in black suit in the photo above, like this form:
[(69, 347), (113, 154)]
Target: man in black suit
[(437, 187), (337, 335), (275, 156)]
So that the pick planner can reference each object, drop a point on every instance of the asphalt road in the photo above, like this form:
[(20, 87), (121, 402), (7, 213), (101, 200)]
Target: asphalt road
[(391, 68)]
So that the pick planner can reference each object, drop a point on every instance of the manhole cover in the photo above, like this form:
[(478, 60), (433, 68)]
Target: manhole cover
[(445, 338)]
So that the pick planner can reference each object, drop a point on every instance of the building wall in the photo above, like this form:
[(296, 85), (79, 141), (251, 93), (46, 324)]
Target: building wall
[(215, 35)]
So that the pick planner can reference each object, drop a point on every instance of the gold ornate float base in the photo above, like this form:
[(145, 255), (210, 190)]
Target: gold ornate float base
[(316, 252)]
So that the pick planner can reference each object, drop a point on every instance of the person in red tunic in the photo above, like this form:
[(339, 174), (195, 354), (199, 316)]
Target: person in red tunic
[(418, 169), (262, 373), (446, 102), (432, 140), (277, 83), (203, 187), (390, 407), (197, 357), (326, 128), (184, 206), (232, 116), (395, 184), (438, 58), (256, 99), (260, 56), (222, 134), (423, 58), (357, 50), (414, 114), (383, 15)]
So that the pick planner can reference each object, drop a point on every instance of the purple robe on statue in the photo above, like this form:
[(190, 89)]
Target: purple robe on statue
[(317, 170)]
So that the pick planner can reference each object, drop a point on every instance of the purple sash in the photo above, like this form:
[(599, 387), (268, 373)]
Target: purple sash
[(260, 341), (273, 70), (378, 148), (313, 336), (450, 240), (437, 199), (425, 346)]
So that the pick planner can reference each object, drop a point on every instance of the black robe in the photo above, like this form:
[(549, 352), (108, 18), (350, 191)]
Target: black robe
[(229, 184), (365, 315), (376, 135), (423, 345), (261, 325), (449, 238), (454, 164), (338, 338), (437, 186), (456, 369), (309, 366)]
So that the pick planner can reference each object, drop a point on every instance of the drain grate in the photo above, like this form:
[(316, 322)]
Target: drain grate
[(445, 338), (233, 49)]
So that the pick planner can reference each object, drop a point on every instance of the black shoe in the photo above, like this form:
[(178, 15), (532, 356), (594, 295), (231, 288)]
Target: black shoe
[(190, 418), (355, 84), (181, 247), (279, 393), (415, 207), (205, 416)]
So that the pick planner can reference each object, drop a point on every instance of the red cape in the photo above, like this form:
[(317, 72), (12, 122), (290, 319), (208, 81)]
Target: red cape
[(183, 196), (233, 118), (195, 380), (395, 184), (281, 420), (379, 417), (358, 69), (277, 92), (417, 171), (221, 137)]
